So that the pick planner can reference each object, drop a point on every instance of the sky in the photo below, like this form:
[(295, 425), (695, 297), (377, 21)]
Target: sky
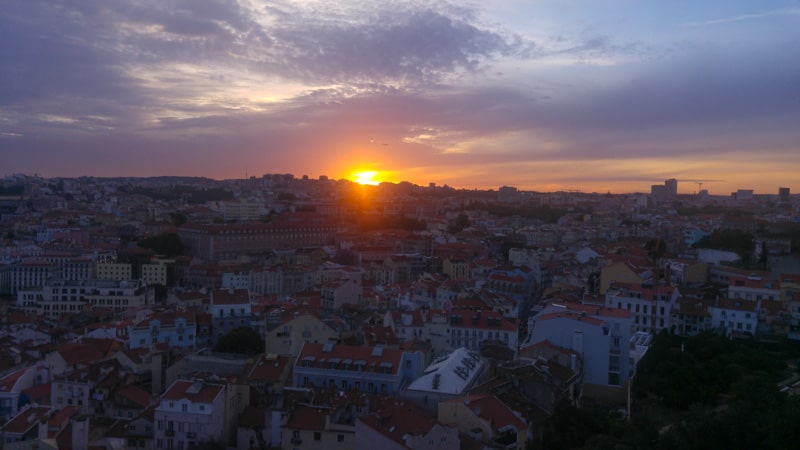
[(546, 95)]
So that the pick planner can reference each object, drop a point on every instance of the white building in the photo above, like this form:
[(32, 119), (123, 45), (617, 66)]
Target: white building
[(601, 335), (189, 412), (734, 316)]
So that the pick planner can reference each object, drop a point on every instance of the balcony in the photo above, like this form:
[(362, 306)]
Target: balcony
[(169, 433), (191, 435), (296, 441)]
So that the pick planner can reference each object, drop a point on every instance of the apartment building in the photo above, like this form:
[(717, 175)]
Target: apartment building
[(189, 412), (346, 367)]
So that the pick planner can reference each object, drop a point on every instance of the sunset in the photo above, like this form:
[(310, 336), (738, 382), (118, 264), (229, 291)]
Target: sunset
[(545, 95)]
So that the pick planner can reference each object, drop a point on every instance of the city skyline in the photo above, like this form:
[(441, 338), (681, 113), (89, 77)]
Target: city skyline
[(544, 96)]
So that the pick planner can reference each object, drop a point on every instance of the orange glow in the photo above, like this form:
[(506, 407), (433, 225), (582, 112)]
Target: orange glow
[(365, 177)]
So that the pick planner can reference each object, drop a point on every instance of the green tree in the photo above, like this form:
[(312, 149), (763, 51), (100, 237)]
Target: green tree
[(164, 244), (242, 340)]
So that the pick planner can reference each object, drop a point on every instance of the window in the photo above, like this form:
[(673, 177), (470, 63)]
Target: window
[(340, 438), (317, 436)]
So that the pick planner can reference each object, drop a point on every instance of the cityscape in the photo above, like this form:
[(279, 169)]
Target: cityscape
[(440, 224), (281, 311)]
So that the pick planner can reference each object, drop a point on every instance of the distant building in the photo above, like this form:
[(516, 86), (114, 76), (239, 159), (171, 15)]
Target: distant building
[(784, 195)]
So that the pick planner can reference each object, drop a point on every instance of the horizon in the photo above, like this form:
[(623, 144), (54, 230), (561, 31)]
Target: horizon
[(548, 96), (318, 177)]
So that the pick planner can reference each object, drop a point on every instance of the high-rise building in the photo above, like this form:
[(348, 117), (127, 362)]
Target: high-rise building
[(784, 195), (671, 186)]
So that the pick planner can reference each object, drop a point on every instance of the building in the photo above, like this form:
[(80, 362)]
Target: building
[(649, 306), (189, 412), (448, 376), (734, 316), (59, 297), (487, 419), (403, 425), (114, 271), (229, 309), (288, 332), (289, 230), (170, 328), (600, 335), (474, 329), (346, 367), (26, 275)]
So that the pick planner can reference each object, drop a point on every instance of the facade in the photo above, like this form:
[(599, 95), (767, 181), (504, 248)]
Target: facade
[(157, 272), (623, 272), (345, 367), (600, 335), (290, 230), (335, 294), (734, 316), (27, 275), (649, 306), (753, 288), (487, 418), (310, 427), (114, 271), (189, 412), (402, 426), (174, 329), (59, 297), (229, 309), (291, 332)]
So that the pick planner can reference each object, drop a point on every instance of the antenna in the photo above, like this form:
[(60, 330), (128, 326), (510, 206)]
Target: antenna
[(699, 187)]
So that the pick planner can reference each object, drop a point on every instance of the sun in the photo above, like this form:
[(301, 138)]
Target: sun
[(366, 177)]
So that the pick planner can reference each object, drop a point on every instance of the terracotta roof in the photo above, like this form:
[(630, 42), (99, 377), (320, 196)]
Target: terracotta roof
[(321, 355), (401, 419), (8, 382), (305, 417), (41, 391), (230, 297), (493, 409), (26, 419), (136, 395), (735, 304), (601, 311), (269, 368), (194, 391), (74, 354), (485, 320)]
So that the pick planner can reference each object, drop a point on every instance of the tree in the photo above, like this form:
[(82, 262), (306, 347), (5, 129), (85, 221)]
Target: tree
[(164, 244), (242, 340)]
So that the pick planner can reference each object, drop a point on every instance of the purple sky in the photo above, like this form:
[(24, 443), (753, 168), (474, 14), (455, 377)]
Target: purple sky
[(543, 95)]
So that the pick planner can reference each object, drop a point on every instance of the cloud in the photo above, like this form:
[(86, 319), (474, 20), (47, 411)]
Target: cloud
[(743, 17)]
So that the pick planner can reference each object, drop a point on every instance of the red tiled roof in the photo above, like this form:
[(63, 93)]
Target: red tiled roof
[(196, 392), (41, 391), (230, 297), (602, 311), (488, 320), (493, 409), (74, 354), (61, 416), (315, 355), (399, 419), (269, 368), (305, 417), (26, 419), (136, 395)]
